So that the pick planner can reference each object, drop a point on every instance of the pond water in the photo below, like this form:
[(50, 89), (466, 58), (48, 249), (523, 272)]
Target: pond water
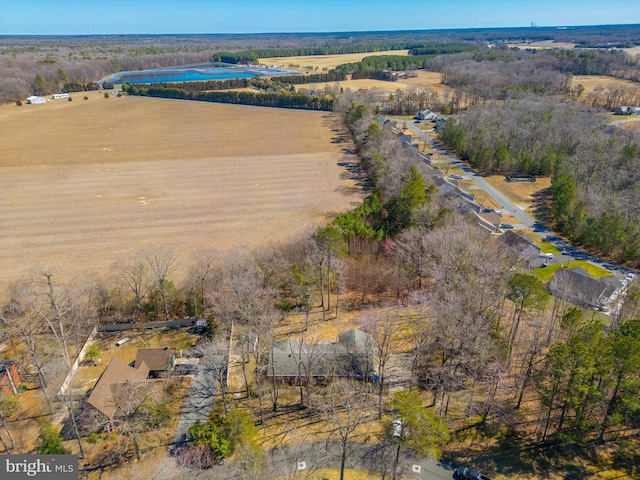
[(194, 73)]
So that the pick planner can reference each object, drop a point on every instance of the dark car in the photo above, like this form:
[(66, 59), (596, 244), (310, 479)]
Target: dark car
[(506, 225), (466, 473)]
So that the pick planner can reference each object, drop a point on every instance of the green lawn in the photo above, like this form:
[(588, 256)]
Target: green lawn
[(549, 248), (545, 273)]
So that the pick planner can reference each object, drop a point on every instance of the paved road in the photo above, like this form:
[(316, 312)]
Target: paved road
[(528, 222), (286, 461)]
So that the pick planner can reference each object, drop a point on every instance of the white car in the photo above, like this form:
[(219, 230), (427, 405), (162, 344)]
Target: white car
[(548, 255)]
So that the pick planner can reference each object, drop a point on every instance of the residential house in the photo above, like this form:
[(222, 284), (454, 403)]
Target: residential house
[(527, 251), (122, 388), (576, 286), (490, 221), (627, 111), (426, 115), (159, 361), (9, 377), (351, 356)]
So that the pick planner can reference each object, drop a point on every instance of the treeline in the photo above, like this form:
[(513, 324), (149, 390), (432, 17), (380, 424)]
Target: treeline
[(270, 99), (330, 76), (502, 73), (385, 62), (530, 136), (252, 56), (595, 195), (81, 87)]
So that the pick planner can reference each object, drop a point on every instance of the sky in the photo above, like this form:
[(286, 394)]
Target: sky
[(74, 17)]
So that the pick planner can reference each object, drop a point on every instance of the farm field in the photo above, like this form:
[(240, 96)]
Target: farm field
[(594, 83), (324, 61), (423, 79), (88, 183)]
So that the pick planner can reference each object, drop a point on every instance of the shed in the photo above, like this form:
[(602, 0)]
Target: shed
[(35, 100)]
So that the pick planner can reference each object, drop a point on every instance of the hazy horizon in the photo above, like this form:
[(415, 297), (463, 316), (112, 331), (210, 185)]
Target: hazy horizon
[(164, 17)]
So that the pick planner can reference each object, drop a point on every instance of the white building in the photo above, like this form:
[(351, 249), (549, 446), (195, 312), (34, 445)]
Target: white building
[(57, 96), (34, 100)]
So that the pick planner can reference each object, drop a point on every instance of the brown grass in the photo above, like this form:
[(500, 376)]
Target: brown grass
[(546, 44), (521, 193), (87, 183), (423, 79), (593, 83), (324, 61)]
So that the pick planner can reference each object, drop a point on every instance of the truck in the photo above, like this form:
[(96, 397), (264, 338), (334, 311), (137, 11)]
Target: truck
[(467, 473)]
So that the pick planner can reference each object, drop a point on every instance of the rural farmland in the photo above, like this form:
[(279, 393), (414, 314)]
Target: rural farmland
[(88, 183)]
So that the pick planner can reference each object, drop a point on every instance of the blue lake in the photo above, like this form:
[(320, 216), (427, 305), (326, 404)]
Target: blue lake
[(194, 73)]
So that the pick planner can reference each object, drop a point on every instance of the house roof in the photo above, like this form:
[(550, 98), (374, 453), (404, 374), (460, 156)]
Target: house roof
[(119, 386), (155, 358), (350, 356), (515, 241), (576, 286)]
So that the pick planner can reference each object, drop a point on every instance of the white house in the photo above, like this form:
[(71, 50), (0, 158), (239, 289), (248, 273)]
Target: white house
[(426, 115), (34, 100), (627, 111)]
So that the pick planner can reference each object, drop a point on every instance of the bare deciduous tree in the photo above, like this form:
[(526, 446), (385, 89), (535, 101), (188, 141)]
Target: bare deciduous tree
[(162, 262)]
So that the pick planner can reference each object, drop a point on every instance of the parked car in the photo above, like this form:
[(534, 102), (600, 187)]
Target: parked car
[(548, 255), (455, 176), (506, 225), (466, 473)]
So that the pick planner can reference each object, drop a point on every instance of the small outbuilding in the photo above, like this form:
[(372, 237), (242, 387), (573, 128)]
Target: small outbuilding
[(36, 100)]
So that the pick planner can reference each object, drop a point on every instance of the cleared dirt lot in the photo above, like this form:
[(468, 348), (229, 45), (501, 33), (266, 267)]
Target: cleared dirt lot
[(87, 183)]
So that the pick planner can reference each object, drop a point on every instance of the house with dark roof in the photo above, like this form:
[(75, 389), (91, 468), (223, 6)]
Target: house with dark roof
[(9, 377), (576, 286), (159, 361), (527, 251), (122, 388), (351, 356)]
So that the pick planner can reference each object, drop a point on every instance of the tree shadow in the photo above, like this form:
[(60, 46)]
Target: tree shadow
[(549, 460)]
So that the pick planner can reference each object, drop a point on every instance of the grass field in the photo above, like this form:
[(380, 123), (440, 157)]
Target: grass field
[(423, 79), (324, 61), (87, 183), (593, 83)]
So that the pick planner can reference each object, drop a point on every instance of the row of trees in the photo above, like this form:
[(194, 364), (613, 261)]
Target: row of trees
[(269, 99)]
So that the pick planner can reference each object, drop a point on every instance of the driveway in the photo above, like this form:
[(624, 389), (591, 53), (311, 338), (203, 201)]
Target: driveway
[(307, 458), (198, 403)]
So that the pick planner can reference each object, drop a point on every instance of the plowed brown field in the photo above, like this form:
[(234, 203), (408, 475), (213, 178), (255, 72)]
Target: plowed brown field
[(86, 183)]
